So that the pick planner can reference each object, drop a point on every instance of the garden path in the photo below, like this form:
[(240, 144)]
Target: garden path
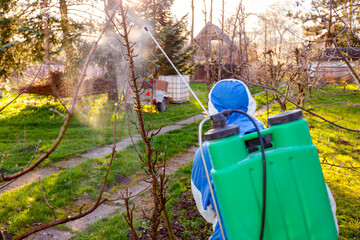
[(136, 182), (105, 210)]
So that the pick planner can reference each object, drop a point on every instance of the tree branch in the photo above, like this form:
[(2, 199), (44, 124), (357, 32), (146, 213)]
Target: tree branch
[(57, 112), (331, 104), (68, 116), (2, 161), (46, 201), (25, 90), (37, 148)]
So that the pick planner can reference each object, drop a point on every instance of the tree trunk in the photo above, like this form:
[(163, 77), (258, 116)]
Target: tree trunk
[(168, 224), (265, 51), (45, 20), (111, 78), (192, 23), (192, 31), (207, 51), (110, 65), (221, 47), (65, 28)]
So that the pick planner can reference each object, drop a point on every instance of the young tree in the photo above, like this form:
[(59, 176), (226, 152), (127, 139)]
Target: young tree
[(171, 36), (329, 21), (22, 35), (7, 25), (155, 173)]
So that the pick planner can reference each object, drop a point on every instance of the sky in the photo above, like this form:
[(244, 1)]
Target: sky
[(181, 7)]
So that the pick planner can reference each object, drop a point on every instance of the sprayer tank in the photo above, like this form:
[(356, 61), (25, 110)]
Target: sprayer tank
[(297, 204)]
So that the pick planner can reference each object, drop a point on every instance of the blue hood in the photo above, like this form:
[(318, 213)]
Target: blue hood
[(234, 94)]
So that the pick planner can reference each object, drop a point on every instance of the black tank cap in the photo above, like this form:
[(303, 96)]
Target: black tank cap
[(285, 117), (221, 129)]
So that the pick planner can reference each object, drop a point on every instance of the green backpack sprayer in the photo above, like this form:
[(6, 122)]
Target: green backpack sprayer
[(289, 181), (273, 177)]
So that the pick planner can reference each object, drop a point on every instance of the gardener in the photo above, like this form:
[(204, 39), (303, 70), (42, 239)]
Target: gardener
[(226, 94)]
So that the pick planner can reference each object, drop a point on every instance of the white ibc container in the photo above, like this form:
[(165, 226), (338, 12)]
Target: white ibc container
[(177, 90)]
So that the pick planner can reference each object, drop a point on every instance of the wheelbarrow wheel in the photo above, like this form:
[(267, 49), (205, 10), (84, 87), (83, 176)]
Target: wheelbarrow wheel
[(162, 105)]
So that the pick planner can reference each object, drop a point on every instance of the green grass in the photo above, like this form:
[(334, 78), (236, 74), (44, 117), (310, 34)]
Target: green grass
[(255, 89), (108, 228), (22, 126), (116, 228), (340, 147), (26, 205), (34, 123), (261, 100)]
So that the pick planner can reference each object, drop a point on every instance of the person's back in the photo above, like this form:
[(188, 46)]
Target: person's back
[(226, 94)]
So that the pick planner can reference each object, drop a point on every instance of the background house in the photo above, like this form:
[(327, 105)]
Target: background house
[(222, 49), (216, 35), (331, 68)]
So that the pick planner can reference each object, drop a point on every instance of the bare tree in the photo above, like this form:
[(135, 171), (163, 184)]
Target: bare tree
[(192, 22), (70, 112), (208, 49), (155, 172), (46, 32)]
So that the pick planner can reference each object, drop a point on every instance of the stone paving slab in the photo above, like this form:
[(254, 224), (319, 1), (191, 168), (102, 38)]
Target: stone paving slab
[(51, 233), (99, 152), (192, 119), (32, 176), (103, 210)]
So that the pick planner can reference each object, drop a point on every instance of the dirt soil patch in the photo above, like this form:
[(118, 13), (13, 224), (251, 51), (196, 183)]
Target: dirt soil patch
[(184, 213), (122, 180), (5, 235)]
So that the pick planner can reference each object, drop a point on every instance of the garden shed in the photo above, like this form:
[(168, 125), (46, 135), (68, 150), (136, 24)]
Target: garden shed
[(220, 43), (216, 36), (332, 68)]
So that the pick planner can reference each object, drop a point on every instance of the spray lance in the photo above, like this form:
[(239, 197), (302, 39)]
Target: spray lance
[(290, 181), (177, 71), (220, 128), (219, 122), (197, 99)]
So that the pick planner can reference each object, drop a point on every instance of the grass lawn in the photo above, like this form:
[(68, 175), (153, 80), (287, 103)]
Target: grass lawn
[(22, 126), (337, 146), (25, 206), (21, 208), (340, 147), (29, 120)]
